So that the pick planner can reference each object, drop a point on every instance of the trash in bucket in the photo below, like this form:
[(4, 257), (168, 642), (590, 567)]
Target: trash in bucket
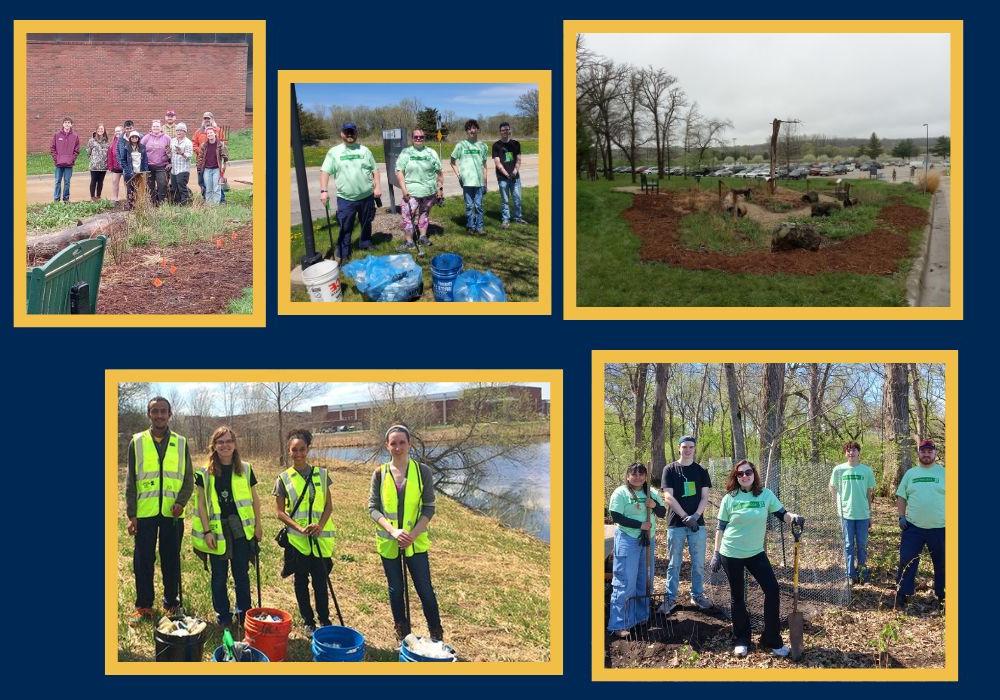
[(322, 280), (444, 269), (267, 629), (418, 649), (179, 638), (244, 653), (336, 643)]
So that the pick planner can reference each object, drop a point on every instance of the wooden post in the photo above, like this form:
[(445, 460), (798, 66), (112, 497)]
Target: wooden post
[(720, 191)]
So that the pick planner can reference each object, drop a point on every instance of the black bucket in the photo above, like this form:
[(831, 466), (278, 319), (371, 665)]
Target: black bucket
[(172, 647)]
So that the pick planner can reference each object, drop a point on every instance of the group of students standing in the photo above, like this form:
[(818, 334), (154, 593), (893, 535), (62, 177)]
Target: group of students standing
[(741, 530), (227, 528), (162, 156)]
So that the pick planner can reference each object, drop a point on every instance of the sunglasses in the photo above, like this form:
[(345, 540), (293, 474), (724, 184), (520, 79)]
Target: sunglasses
[(744, 472), (419, 138)]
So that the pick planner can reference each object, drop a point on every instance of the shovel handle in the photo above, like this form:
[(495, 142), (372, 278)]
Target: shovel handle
[(796, 531)]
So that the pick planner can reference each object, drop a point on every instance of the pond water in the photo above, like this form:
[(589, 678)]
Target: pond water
[(513, 488)]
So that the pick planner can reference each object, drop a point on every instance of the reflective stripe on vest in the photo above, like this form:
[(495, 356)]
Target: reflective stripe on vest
[(157, 486), (310, 511), (242, 495), (413, 494)]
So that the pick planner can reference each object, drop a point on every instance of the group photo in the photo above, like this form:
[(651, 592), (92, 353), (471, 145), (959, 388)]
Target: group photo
[(416, 191), (277, 521), (139, 199), (775, 515)]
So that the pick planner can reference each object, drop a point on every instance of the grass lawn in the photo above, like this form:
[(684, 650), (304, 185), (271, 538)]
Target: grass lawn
[(610, 273), (492, 582), (240, 148), (512, 254), (243, 305), (315, 154), (173, 225)]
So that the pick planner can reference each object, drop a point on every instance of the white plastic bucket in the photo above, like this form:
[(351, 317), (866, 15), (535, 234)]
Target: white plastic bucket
[(323, 281)]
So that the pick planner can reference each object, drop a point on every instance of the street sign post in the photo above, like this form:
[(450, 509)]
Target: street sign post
[(393, 143)]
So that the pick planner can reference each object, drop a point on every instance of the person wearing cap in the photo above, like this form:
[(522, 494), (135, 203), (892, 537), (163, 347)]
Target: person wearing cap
[(920, 505), (685, 485), (635, 539), (169, 124), (420, 177), (355, 174), (401, 503), (64, 149), (158, 155), (181, 150), (200, 138), (739, 549), (852, 485), (211, 162), (468, 162), (134, 166)]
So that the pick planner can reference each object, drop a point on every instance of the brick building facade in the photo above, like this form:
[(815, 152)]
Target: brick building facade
[(94, 78)]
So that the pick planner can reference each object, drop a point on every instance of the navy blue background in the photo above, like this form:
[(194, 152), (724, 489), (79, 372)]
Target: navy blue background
[(53, 578)]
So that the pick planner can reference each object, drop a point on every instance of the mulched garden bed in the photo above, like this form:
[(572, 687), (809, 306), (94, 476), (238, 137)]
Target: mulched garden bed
[(656, 220), (201, 278)]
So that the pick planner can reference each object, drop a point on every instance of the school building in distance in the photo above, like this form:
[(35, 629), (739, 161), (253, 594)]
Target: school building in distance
[(108, 78)]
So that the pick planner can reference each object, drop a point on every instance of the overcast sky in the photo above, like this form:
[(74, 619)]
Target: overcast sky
[(461, 98), (845, 85)]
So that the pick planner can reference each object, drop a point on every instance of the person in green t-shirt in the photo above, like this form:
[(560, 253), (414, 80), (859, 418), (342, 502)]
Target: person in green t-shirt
[(920, 504), (421, 178), (739, 548), (631, 507), (852, 485), (355, 173), (468, 162)]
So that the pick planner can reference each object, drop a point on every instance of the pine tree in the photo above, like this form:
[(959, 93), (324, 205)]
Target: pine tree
[(874, 147)]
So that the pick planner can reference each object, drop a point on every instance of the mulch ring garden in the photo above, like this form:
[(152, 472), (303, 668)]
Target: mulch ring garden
[(656, 219), (197, 278)]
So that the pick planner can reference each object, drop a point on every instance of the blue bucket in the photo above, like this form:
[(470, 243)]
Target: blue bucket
[(444, 269), (255, 655), (335, 643), (407, 654)]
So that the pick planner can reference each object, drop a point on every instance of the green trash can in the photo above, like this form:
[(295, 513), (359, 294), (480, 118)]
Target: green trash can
[(68, 283)]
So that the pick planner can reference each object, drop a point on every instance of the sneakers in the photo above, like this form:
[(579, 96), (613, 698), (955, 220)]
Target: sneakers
[(142, 614), (669, 605), (621, 634), (740, 651), (407, 246), (504, 224), (900, 602), (437, 634), (402, 629), (424, 240), (309, 628), (782, 651), (519, 220), (171, 610), (702, 602)]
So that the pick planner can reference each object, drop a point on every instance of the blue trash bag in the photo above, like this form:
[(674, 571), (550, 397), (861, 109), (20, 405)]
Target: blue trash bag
[(386, 277), (473, 285)]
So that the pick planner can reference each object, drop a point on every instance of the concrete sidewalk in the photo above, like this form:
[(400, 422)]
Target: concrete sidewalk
[(930, 281), (529, 178)]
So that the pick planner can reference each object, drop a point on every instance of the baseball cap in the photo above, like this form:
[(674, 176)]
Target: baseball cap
[(927, 445), (687, 438), (181, 126), (208, 114), (349, 126), (171, 113)]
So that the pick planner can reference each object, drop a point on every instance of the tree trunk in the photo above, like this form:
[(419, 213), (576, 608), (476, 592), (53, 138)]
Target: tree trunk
[(640, 407), (770, 424), (918, 404), (46, 245), (658, 458), (736, 413), (900, 442)]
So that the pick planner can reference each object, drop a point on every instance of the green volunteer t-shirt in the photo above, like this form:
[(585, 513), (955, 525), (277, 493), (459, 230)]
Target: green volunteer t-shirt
[(851, 485), (747, 517), (632, 504), (420, 167), (351, 167), (923, 489), (471, 157)]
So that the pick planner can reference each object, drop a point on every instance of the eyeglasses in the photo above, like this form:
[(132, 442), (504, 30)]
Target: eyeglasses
[(744, 472), (419, 138), (225, 442)]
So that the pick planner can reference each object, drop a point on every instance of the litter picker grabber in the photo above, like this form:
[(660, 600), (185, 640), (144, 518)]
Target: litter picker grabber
[(795, 619), (329, 585), (329, 230), (256, 565), (406, 586)]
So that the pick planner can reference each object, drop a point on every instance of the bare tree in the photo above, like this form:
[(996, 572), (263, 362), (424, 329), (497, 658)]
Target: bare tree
[(692, 125), (771, 421), (284, 397), (676, 101), (736, 413), (653, 95), (658, 458), (200, 422), (639, 384), (628, 136), (710, 133), (900, 444), (527, 108), (918, 405)]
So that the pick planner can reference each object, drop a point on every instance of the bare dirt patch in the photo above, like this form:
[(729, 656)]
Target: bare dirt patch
[(656, 220), (201, 278)]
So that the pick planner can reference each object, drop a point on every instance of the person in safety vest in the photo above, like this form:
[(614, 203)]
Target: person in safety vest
[(302, 503), (158, 483), (401, 502), (228, 525)]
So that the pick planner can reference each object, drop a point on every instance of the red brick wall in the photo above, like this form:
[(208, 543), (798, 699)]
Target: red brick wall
[(109, 83)]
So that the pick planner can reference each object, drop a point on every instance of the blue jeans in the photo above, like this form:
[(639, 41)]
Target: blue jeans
[(62, 174), (677, 537), (213, 187), (508, 188), (419, 568), (911, 544), (473, 207), (628, 580), (239, 560), (364, 211), (855, 546), (201, 184)]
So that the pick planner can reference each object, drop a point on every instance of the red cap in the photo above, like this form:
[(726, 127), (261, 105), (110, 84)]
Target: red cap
[(927, 445)]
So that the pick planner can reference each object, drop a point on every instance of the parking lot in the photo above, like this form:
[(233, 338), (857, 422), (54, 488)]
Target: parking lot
[(797, 171)]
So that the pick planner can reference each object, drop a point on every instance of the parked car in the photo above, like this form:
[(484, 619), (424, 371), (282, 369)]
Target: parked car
[(798, 173)]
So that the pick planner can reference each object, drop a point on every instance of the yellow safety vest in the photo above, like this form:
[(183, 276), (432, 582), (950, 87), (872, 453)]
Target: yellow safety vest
[(310, 510), (412, 504), (156, 484), (242, 495)]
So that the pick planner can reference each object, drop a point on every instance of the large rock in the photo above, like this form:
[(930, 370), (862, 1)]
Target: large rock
[(825, 208), (793, 236), (811, 196)]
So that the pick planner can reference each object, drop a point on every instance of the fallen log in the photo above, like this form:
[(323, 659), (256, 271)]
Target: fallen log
[(45, 245)]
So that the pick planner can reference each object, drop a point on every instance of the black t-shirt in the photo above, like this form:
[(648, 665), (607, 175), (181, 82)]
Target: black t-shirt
[(507, 153), (224, 488), (685, 484)]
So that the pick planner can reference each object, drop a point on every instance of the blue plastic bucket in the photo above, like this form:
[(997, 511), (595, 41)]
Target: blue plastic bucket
[(335, 643), (407, 654), (255, 655), (444, 269)]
